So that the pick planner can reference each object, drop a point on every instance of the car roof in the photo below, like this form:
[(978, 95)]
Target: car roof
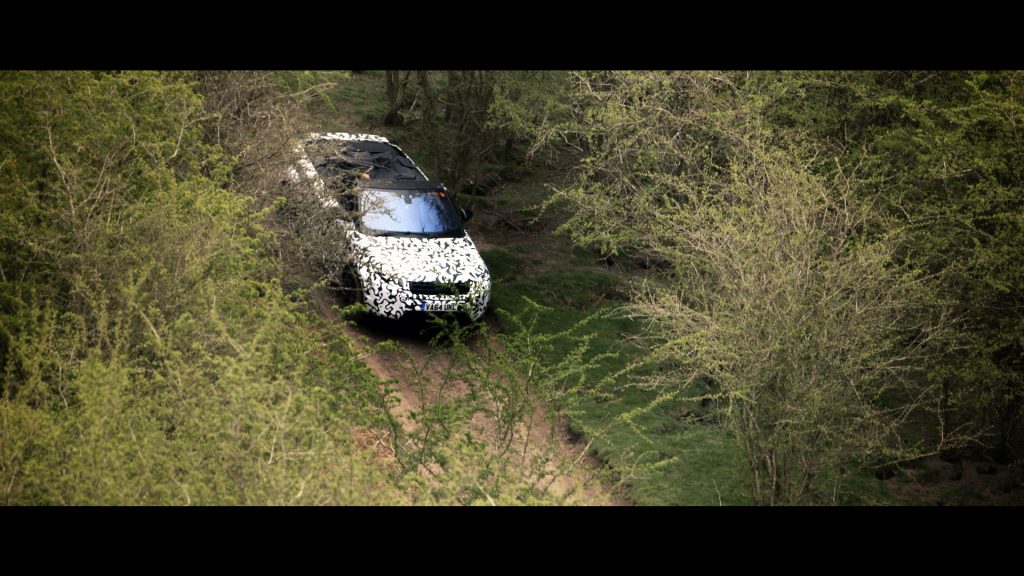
[(391, 171), (376, 159)]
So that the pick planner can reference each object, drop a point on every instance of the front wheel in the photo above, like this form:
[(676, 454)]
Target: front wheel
[(350, 288)]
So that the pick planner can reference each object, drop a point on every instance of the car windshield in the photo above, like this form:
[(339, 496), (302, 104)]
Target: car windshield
[(421, 213)]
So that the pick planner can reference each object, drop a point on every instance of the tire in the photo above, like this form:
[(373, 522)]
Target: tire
[(350, 287)]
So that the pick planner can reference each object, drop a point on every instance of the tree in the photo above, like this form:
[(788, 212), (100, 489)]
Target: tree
[(945, 149), (395, 86), (774, 295), (149, 354)]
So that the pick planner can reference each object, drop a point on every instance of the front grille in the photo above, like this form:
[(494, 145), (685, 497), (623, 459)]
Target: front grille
[(439, 288)]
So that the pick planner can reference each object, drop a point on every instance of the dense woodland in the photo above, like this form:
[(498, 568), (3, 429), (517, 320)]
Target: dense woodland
[(824, 269)]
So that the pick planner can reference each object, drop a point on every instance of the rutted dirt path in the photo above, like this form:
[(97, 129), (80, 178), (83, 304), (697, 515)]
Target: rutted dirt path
[(539, 445)]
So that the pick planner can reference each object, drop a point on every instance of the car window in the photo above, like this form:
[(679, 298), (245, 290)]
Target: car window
[(410, 213)]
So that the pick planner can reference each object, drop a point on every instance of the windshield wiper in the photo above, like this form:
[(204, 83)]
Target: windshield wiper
[(411, 234), (392, 233), (445, 234)]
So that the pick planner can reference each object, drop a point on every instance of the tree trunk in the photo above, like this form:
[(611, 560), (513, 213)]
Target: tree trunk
[(427, 95), (395, 87)]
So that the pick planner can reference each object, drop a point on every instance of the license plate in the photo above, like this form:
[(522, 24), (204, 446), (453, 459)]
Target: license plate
[(440, 306)]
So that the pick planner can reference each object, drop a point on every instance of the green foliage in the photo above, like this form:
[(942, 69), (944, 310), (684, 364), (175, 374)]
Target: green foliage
[(526, 106), (311, 83), (946, 149), (826, 261), (648, 140), (667, 451), (149, 354), (780, 294), (480, 125), (817, 340)]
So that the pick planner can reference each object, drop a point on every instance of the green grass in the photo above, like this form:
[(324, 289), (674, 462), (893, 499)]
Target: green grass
[(665, 461), (662, 458), (359, 102)]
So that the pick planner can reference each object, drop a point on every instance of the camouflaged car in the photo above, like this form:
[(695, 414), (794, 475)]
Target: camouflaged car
[(409, 251)]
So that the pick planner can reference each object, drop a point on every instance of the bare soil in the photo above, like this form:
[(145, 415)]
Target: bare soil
[(567, 469)]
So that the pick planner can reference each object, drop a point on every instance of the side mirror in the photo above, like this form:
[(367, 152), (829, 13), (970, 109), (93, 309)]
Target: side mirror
[(466, 214)]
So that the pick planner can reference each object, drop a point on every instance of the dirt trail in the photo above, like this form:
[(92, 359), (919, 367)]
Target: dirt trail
[(568, 470)]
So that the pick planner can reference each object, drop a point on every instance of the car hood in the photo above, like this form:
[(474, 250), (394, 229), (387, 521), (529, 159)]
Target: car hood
[(420, 259)]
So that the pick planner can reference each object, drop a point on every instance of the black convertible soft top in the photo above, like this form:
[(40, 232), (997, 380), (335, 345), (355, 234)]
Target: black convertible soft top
[(348, 160)]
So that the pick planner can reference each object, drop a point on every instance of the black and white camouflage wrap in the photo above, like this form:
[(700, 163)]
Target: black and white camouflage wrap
[(386, 265)]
